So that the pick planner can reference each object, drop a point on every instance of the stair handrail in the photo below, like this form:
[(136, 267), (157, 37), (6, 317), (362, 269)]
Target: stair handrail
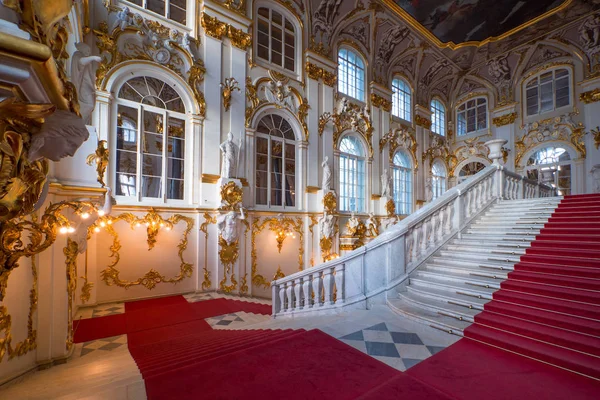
[(341, 281)]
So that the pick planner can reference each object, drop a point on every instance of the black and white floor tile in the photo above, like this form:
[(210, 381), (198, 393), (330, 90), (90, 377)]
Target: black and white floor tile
[(226, 320), (103, 345)]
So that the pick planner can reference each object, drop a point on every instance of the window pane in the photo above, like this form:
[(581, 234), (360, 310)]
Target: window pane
[(177, 13), (158, 6), (175, 189), (151, 186), (126, 185)]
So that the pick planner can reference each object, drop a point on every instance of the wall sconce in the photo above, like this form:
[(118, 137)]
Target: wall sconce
[(281, 227), (227, 89)]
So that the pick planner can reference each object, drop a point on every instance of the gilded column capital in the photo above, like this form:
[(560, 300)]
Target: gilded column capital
[(505, 119), (380, 102), (590, 96), (422, 122)]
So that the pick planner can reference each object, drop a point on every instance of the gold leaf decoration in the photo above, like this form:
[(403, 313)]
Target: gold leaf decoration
[(100, 158), (505, 119)]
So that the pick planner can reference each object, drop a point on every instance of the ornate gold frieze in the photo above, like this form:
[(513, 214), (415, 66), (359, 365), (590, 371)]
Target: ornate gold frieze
[(561, 128), (315, 72), (422, 122), (330, 203), (110, 275), (239, 6), (591, 96), (100, 158), (239, 38), (71, 251), (380, 102), (30, 342), (505, 119), (401, 138)]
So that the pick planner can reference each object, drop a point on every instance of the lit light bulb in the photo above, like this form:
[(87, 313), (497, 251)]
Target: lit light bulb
[(85, 216), (137, 224), (70, 229), (101, 213), (103, 224), (63, 230), (161, 224), (168, 228), (147, 224), (96, 229), (109, 222)]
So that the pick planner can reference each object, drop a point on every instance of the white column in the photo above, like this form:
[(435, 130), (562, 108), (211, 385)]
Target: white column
[(196, 122), (313, 160), (238, 103), (211, 159), (101, 114)]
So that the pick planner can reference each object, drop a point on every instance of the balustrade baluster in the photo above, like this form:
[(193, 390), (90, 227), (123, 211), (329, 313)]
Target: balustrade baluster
[(282, 296), (289, 295), (450, 216), (415, 244), (328, 286), (339, 283), (306, 291), (439, 225), (408, 246), (316, 285), (297, 298)]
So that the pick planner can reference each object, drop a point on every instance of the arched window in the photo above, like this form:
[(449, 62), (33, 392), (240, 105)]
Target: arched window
[(548, 91), (552, 166), (438, 179), (275, 162), (172, 9), (472, 116), (401, 99), (352, 175), (402, 175), (470, 169), (276, 39), (351, 74), (150, 145), (438, 117)]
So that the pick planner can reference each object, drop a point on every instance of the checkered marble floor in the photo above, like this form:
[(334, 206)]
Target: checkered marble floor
[(229, 320), (100, 345), (398, 349)]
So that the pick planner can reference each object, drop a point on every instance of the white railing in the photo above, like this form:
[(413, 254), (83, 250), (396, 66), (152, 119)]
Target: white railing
[(367, 273)]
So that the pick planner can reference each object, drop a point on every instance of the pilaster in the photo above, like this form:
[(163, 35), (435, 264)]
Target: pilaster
[(590, 97), (504, 120)]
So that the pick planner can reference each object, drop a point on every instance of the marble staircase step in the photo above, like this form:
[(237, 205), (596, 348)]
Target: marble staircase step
[(457, 297), (485, 249), (454, 278), (442, 322), (467, 272), (478, 256), (440, 306), (453, 286)]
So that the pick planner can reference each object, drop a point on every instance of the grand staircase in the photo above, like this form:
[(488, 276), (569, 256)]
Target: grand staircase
[(525, 277)]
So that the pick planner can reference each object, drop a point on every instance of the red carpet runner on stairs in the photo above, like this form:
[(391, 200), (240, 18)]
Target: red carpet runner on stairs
[(549, 307)]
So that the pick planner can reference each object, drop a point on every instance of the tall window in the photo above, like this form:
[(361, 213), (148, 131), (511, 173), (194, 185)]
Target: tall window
[(150, 140), (401, 99), (351, 74), (172, 9), (275, 162), (472, 116), (402, 174), (548, 91), (438, 117), (552, 166), (438, 179), (276, 39), (352, 175)]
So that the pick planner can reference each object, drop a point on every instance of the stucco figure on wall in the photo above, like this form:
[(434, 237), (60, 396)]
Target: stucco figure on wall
[(596, 176), (83, 76), (589, 33), (325, 14), (228, 225), (372, 229), (279, 93), (352, 224), (230, 156), (327, 225), (386, 184), (326, 186), (61, 135), (80, 236), (123, 19), (391, 38)]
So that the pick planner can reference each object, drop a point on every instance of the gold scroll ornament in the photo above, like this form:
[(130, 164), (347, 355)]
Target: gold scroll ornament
[(100, 158)]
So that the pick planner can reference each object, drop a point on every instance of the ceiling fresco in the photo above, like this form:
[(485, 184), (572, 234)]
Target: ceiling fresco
[(460, 21)]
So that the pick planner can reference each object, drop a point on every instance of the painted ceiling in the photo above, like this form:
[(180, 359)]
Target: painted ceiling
[(460, 21)]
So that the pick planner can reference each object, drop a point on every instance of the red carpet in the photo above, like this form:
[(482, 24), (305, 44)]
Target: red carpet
[(549, 307)]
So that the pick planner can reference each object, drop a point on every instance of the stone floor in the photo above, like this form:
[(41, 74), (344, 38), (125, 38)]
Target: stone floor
[(104, 369)]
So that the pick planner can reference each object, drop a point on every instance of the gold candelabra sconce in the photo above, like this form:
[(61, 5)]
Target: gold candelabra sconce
[(227, 89), (283, 229)]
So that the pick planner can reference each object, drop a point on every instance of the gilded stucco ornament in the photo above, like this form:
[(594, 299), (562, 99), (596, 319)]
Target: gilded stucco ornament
[(390, 208), (505, 119), (228, 254), (380, 102), (71, 251), (218, 30), (227, 88), (401, 138), (472, 148), (330, 202), (422, 122), (208, 220), (238, 6), (439, 148), (596, 134), (591, 96), (231, 196), (278, 274), (315, 72), (100, 158), (349, 117), (561, 128), (110, 275)]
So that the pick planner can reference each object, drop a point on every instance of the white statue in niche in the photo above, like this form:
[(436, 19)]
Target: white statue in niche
[(589, 32), (80, 236), (352, 224), (596, 175), (326, 175), (231, 153), (83, 76), (327, 225), (228, 225), (386, 184), (372, 229)]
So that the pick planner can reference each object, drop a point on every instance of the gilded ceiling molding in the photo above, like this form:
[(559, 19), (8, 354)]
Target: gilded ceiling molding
[(349, 117), (153, 221), (590, 96), (422, 122), (208, 220), (401, 138), (380, 102), (561, 128), (100, 158), (217, 29), (30, 342), (505, 119)]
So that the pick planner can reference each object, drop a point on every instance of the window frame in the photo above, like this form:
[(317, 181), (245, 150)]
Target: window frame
[(408, 196), (344, 77), (437, 119), (357, 189), (166, 114), (537, 76), (557, 164), (400, 96), (167, 11), (465, 111), (439, 183), (270, 138)]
